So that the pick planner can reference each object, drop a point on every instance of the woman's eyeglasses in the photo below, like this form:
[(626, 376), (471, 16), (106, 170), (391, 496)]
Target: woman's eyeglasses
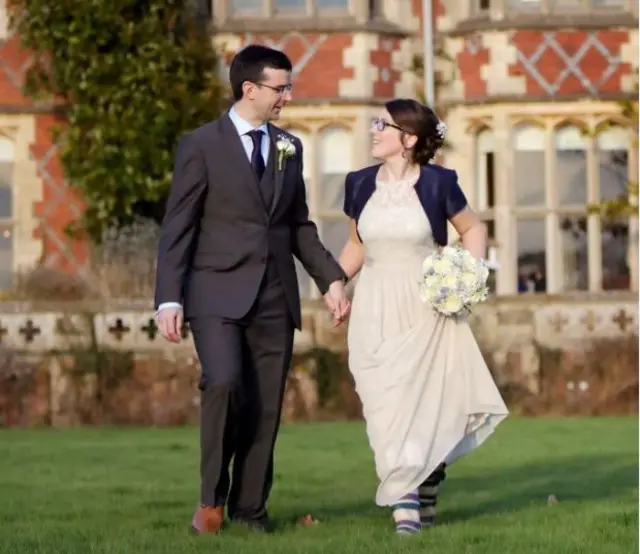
[(380, 124)]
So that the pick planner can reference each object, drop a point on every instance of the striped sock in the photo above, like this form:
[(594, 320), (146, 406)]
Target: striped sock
[(428, 501), (428, 492), (406, 514)]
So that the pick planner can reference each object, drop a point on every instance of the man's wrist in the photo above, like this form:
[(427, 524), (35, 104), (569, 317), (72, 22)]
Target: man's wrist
[(342, 280), (165, 305)]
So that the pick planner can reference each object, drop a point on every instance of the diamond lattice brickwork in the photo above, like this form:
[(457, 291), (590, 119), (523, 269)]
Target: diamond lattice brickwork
[(570, 62), (14, 62), (470, 61), (59, 208), (388, 75)]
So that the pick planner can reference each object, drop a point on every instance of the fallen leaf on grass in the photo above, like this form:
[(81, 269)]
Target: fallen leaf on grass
[(307, 520)]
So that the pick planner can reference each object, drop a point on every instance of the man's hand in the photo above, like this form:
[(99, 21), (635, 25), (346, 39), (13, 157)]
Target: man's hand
[(169, 321), (336, 300)]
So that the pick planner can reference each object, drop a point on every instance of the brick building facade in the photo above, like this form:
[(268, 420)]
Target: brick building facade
[(522, 82)]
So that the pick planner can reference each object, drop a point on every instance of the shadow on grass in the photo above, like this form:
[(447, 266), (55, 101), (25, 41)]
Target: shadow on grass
[(588, 479)]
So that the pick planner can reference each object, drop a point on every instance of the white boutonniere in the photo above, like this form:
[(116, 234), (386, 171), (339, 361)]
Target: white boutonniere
[(286, 149)]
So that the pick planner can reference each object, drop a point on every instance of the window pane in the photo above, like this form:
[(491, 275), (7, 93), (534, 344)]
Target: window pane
[(573, 240), (492, 252), (524, 5), (7, 151), (307, 151), (613, 145), (529, 163), (290, 5), (532, 267), (609, 3), (337, 5), (334, 235), (571, 166), (565, 5), (6, 257), (6, 211), (613, 174), (6, 177), (336, 150), (615, 244), (246, 6), (485, 183), (336, 154), (5, 199)]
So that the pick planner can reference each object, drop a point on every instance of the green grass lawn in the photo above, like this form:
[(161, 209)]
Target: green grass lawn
[(133, 491)]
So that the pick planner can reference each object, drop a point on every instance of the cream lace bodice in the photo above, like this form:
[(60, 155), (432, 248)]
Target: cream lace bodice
[(393, 225)]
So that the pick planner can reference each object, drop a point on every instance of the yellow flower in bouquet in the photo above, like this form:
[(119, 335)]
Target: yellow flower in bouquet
[(451, 304), (453, 281)]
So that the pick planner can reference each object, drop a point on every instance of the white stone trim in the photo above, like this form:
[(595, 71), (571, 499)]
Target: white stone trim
[(27, 190), (400, 60), (495, 73), (357, 57), (464, 124), (222, 11), (4, 20)]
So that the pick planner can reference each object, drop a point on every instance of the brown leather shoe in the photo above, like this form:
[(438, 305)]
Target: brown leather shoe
[(207, 519)]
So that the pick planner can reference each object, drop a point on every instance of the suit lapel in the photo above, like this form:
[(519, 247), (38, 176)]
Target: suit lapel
[(238, 156), (278, 174)]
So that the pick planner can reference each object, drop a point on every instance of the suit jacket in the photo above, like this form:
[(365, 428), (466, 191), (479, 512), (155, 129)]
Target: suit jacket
[(437, 188), (218, 235)]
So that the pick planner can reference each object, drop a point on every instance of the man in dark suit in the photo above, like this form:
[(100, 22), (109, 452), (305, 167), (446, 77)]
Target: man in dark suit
[(236, 216)]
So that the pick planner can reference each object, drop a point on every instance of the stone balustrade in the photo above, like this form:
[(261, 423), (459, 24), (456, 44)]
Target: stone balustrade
[(504, 327), (46, 344), (499, 324)]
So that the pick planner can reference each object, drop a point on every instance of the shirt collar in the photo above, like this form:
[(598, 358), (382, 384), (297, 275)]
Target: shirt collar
[(242, 125)]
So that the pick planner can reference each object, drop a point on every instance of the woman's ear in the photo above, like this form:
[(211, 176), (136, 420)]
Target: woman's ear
[(409, 141)]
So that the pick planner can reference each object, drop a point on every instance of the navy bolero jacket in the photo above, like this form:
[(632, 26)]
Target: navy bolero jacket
[(437, 188)]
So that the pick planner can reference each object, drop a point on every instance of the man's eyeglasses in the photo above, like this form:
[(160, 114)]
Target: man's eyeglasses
[(380, 124), (279, 90)]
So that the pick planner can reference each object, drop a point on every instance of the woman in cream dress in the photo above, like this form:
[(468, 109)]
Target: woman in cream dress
[(427, 395)]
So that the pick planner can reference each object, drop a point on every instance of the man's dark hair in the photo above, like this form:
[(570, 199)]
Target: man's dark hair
[(249, 65)]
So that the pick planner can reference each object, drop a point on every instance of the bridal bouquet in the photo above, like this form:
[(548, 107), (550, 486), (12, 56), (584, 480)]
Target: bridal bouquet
[(453, 281)]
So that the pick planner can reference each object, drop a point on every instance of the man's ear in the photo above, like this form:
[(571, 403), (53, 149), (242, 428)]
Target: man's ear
[(248, 90)]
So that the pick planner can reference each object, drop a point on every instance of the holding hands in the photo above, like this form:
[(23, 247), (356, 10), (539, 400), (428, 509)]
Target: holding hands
[(337, 302)]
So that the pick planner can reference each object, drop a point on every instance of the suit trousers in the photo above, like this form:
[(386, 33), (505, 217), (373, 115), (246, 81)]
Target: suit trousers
[(244, 368)]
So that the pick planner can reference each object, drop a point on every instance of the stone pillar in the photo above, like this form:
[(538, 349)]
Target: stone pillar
[(553, 253), (594, 227), (26, 190), (506, 239)]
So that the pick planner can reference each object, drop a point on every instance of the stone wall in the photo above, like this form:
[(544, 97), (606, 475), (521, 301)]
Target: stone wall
[(70, 363)]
